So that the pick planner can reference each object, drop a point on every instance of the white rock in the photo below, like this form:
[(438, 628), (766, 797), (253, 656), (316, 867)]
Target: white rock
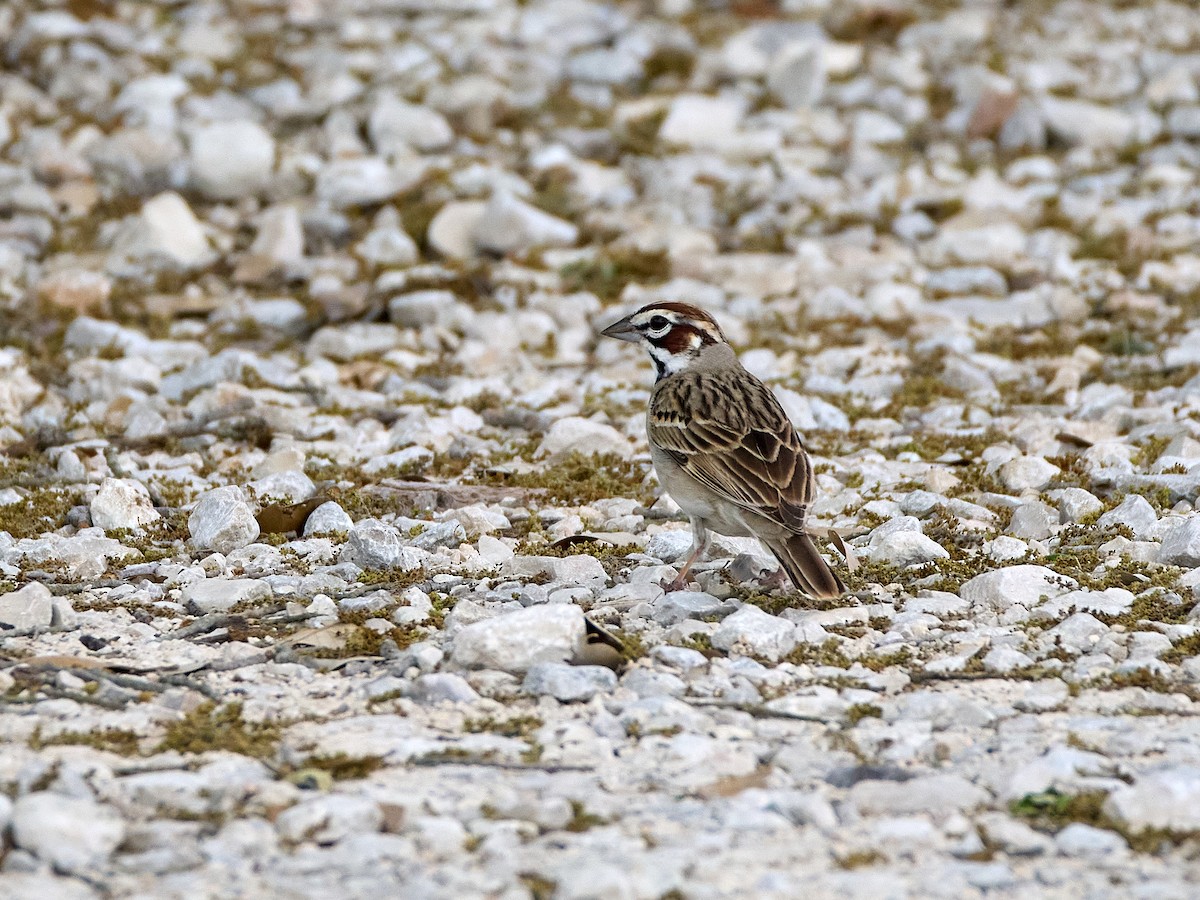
[(222, 520), (1005, 548), (122, 503), (509, 225), (1005, 660), (1074, 504), (797, 74), (359, 182), (1015, 585), (75, 835), (396, 126), (752, 632), (1135, 512), (1034, 520), (1182, 546), (1080, 840), (329, 819), (30, 607), (232, 160), (680, 605), (442, 687), (1091, 124), (165, 233), (451, 233), (1167, 799), (577, 435), (212, 595), (516, 641), (926, 795), (278, 247), (699, 121), (328, 518), (1027, 473), (1078, 633), (567, 683), (376, 545), (907, 548)]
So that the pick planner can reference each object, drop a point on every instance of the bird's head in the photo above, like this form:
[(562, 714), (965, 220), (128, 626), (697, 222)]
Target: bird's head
[(674, 334)]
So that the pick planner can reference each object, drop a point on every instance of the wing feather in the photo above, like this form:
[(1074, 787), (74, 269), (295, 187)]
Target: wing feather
[(728, 431)]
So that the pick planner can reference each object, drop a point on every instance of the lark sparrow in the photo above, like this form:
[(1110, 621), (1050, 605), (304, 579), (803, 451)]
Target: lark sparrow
[(722, 446)]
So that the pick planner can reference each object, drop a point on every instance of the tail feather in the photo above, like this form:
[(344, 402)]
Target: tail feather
[(806, 567)]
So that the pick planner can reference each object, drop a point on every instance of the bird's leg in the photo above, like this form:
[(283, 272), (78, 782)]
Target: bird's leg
[(699, 547)]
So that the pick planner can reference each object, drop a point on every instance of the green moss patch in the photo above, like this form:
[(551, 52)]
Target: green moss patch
[(577, 480), (211, 727)]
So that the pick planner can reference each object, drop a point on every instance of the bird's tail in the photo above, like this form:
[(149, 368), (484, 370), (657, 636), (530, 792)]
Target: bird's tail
[(806, 567)]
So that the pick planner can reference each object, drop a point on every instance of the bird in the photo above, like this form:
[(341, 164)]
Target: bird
[(722, 446)]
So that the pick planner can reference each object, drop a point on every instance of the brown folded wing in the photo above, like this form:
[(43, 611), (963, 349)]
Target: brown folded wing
[(730, 433)]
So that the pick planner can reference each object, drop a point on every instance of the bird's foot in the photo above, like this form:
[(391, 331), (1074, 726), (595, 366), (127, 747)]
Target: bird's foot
[(675, 584), (775, 581)]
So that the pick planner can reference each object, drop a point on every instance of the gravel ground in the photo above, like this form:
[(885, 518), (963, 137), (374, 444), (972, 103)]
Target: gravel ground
[(330, 552)]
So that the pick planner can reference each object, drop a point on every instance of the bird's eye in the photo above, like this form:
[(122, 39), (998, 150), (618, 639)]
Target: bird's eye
[(658, 323)]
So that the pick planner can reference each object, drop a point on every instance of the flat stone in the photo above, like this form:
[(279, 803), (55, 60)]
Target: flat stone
[(567, 683), (221, 594), (30, 607), (1023, 585), (1182, 546), (573, 434), (750, 631), (510, 225), (929, 794), (75, 835), (516, 641), (679, 605), (1167, 799), (1027, 473), (329, 819)]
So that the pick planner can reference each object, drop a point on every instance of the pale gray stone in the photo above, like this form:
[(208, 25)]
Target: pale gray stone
[(329, 819), (1182, 546), (1167, 799), (567, 683), (577, 435), (328, 518), (166, 233), (443, 687), (906, 548), (1027, 473), (222, 520), (220, 594), (374, 544), (510, 225), (1034, 521), (679, 605), (1135, 512), (1015, 585), (30, 607), (75, 835), (232, 160), (750, 631), (516, 641)]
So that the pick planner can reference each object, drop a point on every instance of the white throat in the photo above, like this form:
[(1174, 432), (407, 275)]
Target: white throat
[(668, 363)]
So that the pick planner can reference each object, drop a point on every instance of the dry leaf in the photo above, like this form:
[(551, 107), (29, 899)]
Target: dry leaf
[(282, 518), (734, 784)]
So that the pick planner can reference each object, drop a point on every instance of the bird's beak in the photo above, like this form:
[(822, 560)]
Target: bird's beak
[(622, 331)]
